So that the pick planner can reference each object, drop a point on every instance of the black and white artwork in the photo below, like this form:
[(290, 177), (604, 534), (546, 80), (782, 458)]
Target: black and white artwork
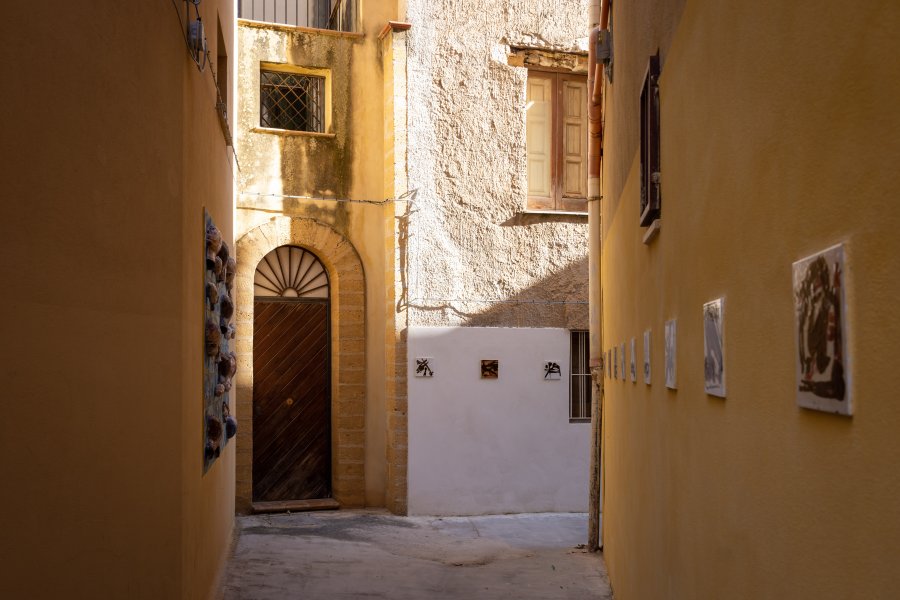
[(647, 357), (424, 367), (490, 369), (615, 362), (552, 372), (632, 366), (622, 363), (714, 347), (671, 373), (821, 332)]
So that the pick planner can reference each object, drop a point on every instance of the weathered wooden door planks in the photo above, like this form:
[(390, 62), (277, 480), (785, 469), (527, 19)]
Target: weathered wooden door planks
[(291, 401)]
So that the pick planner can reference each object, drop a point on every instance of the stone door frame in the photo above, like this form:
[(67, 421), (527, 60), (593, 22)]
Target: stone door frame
[(348, 347)]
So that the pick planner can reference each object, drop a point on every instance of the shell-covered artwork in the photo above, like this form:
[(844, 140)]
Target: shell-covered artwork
[(714, 347), (820, 325), (219, 361)]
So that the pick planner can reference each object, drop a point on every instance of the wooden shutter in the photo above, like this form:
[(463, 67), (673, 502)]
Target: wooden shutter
[(651, 202), (539, 140), (573, 146)]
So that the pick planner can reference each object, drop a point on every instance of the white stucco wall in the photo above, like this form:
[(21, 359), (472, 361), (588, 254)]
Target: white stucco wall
[(470, 242), (481, 446)]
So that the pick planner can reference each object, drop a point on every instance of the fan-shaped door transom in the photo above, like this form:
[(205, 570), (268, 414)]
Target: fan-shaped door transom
[(290, 272)]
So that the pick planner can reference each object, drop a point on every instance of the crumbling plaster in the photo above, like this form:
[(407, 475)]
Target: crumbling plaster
[(470, 243)]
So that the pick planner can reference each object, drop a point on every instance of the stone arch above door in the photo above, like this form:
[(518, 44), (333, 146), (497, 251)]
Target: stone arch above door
[(348, 360)]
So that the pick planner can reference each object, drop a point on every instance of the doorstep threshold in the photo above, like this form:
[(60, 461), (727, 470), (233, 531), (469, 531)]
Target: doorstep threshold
[(296, 505)]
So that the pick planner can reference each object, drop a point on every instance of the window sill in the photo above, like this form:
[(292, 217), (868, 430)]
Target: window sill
[(273, 131), (571, 213), (571, 420)]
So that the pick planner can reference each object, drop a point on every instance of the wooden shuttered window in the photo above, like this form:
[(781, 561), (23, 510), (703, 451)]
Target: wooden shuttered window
[(556, 141), (651, 202)]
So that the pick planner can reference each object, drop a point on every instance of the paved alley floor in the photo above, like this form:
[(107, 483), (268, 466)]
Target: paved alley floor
[(348, 554)]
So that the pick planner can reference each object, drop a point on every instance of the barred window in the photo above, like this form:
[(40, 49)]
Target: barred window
[(580, 380), (292, 101)]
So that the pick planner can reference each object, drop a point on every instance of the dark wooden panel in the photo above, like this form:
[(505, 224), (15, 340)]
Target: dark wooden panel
[(291, 402)]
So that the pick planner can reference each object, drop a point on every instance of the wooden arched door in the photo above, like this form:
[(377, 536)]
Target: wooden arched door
[(291, 378)]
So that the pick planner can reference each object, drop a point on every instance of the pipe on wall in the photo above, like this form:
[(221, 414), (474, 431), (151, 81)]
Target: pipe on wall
[(599, 10)]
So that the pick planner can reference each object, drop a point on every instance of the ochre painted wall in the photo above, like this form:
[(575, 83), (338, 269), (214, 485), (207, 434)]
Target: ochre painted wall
[(780, 137), (111, 149)]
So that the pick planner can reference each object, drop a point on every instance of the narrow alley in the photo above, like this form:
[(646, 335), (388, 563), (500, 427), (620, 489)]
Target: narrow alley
[(292, 289), (373, 554)]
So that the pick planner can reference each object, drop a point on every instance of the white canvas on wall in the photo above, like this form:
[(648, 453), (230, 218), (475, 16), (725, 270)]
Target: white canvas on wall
[(647, 357), (820, 328), (714, 347), (671, 374), (632, 365)]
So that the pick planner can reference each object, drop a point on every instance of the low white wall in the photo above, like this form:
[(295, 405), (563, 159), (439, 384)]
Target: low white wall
[(482, 446)]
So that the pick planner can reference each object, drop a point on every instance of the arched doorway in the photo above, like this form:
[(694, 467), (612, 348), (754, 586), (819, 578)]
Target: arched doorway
[(291, 377)]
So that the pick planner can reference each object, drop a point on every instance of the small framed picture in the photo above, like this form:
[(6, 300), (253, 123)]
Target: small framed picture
[(622, 363), (647, 357), (424, 367), (615, 362), (671, 344), (714, 347), (552, 372), (820, 331), (632, 367), (490, 369)]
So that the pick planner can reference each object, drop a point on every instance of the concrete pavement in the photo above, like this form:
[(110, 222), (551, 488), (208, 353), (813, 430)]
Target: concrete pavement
[(372, 554)]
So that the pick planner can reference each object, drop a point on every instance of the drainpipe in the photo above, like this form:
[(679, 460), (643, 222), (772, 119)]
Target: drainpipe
[(598, 17)]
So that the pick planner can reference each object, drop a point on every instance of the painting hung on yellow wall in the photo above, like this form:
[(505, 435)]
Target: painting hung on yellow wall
[(820, 327), (647, 357), (714, 347), (671, 341)]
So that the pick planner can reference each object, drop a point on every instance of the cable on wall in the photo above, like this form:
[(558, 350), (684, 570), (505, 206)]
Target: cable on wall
[(194, 36), (405, 197)]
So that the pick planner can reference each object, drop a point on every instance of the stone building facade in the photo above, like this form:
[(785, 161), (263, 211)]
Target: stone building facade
[(418, 188)]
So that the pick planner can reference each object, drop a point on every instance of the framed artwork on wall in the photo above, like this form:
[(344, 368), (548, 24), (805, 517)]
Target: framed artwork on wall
[(714, 347), (820, 330), (424, 367), (622, 363), (647, 357), (615, 361), (552, 371), (632, 367), (490, 369), (671, 342)]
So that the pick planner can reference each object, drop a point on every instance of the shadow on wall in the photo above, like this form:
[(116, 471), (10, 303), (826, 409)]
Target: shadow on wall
[(558, 300)]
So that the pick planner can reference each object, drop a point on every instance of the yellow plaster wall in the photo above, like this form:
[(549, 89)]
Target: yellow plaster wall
[(347, 164), (779, 138), (111, 149)]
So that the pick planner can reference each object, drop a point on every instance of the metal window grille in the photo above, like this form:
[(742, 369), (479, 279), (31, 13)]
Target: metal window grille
[(337, 15), (580, 383), (292, 101)]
